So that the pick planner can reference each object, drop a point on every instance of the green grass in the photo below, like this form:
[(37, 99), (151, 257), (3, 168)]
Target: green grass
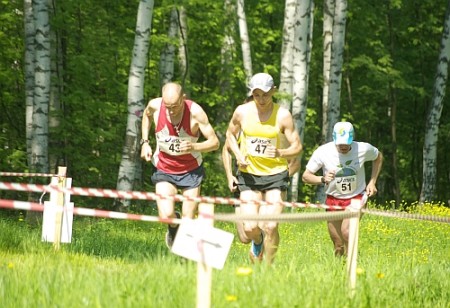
[(115, 263)]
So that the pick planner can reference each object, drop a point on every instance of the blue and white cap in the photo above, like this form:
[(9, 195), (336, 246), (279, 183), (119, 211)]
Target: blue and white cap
[(343, 133)]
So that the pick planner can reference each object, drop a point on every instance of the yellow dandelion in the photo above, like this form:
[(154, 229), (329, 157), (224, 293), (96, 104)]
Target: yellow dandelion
[(244, 271), (231, 298), (359, 271), (10, 265), (380, 275)]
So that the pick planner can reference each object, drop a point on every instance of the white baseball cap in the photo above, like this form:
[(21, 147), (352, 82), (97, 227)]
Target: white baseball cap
[(261, 81), (343, 133)]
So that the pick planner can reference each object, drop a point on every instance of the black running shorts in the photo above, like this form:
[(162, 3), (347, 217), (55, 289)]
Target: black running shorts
[(188, 180), (263, 183)]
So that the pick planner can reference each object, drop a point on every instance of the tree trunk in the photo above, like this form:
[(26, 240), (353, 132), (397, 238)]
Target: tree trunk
[(41, 96), (227, 54), (287, 49), (39, 143), (56, 93), (393, 99), (245, 41), (302, 51), (168, 54), (182, 50), (337, 53), (29, 74), (328, 16), (331, 108), (434, 115), (130, 170)]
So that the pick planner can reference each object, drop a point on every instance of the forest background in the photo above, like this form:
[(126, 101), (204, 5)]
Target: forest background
[(389, 68)]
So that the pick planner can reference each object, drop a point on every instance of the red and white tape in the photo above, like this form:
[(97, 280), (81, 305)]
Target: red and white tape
[(33, 206), (28, 174), (120, 194)]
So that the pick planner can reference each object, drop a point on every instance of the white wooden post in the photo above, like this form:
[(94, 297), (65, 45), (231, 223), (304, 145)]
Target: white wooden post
[(60, 206), (204, 272), (352, 253)]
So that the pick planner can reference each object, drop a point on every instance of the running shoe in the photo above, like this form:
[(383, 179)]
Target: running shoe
[(171, 233), (257, 250)]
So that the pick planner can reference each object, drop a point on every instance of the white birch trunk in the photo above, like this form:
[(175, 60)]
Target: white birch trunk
[(328, 15), (337, 55), (301, 69), (39, 143), (227, 54), (130, 170), (434, 115), (287, 48), (245, 40), (328, 32), (168, 54), (182, 50), (56, 91), (29, 59)]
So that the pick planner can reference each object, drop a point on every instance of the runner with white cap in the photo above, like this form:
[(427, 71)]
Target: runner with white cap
[(263, 161), (343, 175)]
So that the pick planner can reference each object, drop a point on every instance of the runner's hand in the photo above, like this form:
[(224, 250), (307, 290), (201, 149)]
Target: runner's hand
[(146, 152)]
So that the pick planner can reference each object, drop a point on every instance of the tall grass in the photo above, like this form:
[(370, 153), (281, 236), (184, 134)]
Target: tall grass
[(112, 263)]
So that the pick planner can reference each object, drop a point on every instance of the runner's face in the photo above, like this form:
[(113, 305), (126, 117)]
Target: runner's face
[(174, 108), (262, 98), (343, 148)]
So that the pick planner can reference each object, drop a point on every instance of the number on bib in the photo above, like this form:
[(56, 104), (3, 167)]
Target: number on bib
[(257, 146)]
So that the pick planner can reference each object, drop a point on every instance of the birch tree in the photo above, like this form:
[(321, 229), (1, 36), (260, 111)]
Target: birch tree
[(245, 41), (39, 135), (56, 90), (130, 170), (301, 70), (227, 54), (29, 59), (328, 16), (182, 50), (434, 115), (287, 48), (168, 53), (337, 55)]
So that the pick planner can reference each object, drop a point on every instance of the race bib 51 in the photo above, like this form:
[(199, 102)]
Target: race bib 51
[(346, 184)]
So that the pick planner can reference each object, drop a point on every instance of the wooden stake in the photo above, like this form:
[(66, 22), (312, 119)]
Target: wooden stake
[(59, 207), (352, 253), (204, 272)]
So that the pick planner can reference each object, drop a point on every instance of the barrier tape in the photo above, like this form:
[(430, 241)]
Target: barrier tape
[(444, 219), (33, 206), (27, 174), (120, 194), (93, 192), (284, 217)]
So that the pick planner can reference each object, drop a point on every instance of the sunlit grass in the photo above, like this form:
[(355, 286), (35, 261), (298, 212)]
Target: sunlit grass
[(111, 263)]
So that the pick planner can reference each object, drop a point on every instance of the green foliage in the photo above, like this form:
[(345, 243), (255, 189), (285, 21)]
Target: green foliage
[(390, 60)]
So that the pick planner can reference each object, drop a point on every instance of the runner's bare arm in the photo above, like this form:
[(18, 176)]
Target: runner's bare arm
[(147, 119), (227, 165), (212, 142), (233, 130), (371, 188), (286, 124)]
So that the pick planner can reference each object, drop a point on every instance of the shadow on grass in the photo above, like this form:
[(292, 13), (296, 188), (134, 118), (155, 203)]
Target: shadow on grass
[(131, 241)]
